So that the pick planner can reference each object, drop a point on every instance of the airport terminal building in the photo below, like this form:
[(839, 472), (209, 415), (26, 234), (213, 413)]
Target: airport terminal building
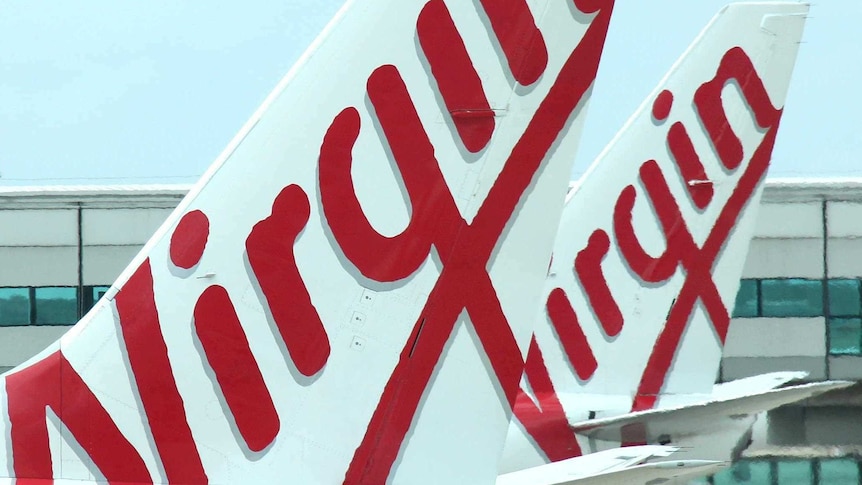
[(799, 306)]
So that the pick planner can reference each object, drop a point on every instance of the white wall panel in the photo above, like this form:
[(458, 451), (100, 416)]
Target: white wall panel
[(48, 227), (845, 367), (776, 337), (740, 367), (797, 219), (102, 264), (107, 227), (21, 343), (38, 266), (845, 257), (844, 219), (784, 258)]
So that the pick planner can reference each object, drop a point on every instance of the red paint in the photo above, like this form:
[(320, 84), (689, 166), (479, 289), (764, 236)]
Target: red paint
[(735, 66), (464, 285), (270, 255), (680, 250), (662, 105), (698, 262), (358, 240), (189, 239), (546, 423), (571, 336), (148, 358), (693, 172), (456, 78), (227, 351), (593, 6), (520, 39), (698, 283), (650, 269), (463, 249), (54, 383), (588, 265)]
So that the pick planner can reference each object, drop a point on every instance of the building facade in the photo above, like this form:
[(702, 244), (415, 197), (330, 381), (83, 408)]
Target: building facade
[(61, 249), (799, 306)]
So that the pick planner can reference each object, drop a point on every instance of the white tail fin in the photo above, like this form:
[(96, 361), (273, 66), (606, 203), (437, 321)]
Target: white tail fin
[(347, 295), (651, 245)]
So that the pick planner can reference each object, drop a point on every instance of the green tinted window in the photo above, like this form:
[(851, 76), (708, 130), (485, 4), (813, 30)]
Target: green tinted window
[(746, 299), (92, 294), (845, 336), (792, 297), (98, 292), (14, 306), (796, 472), (56, 306), (744, 472), (839, 471), (844, 298)]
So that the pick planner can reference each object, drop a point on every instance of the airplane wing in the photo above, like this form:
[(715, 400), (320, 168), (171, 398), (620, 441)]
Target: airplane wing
[(691, 419), (620, 465)]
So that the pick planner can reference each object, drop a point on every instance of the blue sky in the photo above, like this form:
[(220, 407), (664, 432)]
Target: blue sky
[(137, 92)]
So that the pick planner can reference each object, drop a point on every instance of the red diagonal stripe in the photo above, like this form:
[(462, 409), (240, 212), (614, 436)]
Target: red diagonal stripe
[(457, 80), (226, 348), (522, 43), (464, 250), (270, 254), (588, 265), (148, 357), (547, 425), (690, 166), (572, 337), (53, 383)]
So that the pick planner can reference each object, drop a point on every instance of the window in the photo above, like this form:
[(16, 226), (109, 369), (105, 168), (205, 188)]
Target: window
[(93, 294), (844, 298), (754, 472), (795, 297), (98, 292), (45, 305), (795, 472), (843, 470), (14, 306), (845, 336), (56, 306), (790, 471), (747, 299), (845, 317), (792, 297)]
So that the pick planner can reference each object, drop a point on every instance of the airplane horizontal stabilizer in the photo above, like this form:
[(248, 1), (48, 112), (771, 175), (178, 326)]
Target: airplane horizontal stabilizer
[(619, 465), (665, 424), (651, 473)]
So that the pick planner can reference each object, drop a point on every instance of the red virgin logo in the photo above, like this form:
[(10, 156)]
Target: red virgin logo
[(464, 251), (546, 421)]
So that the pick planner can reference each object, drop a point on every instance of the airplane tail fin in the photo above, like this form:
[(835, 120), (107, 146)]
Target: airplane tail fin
[(651, 245), (346, 296)]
